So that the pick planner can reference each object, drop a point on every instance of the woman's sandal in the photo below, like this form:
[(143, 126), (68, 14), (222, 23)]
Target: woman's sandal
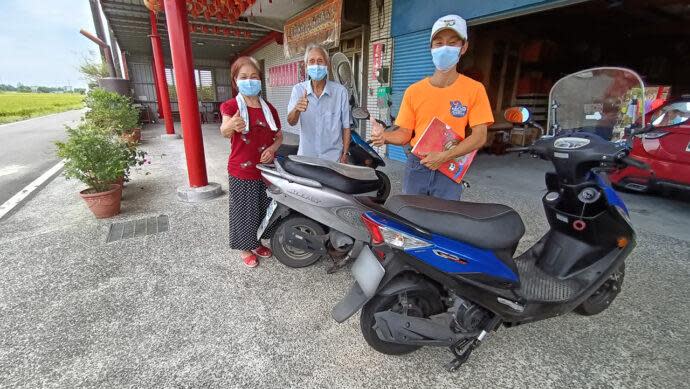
[(251, 260), (263, 252)]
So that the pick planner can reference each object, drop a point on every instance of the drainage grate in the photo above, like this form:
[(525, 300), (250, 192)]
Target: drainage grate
[(137, 228)]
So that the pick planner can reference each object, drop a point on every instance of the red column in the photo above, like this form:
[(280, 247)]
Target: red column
[(183, 67), (161, 82), (125, 67), (158, 92)]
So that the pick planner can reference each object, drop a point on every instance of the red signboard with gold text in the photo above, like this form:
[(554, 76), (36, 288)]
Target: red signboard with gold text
[(319, 24), (377, 59)]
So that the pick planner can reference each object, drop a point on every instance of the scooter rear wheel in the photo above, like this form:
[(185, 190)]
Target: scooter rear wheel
[(292, 256), (421, 305), (604, 296)]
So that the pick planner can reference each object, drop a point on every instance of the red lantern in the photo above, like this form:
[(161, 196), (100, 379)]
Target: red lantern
[(154, 5)]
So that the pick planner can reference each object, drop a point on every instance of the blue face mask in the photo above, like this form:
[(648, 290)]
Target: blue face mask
[(249, 87), (317, 72), (445, 57)]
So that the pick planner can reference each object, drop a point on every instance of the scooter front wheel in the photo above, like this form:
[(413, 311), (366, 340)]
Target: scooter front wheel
[(604, 296), (292, 256)]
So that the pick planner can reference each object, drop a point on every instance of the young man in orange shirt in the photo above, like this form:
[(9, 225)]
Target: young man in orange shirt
[(455, 99)]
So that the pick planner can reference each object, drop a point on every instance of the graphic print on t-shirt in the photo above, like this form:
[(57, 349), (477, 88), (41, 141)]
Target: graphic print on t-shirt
[(457, 109)]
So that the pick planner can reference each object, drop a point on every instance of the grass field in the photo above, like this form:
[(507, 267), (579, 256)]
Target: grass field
[(18, 106)]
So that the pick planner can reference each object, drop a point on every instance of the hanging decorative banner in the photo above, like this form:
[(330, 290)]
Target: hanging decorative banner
[(319, 24), (198, 28), (287, 74)]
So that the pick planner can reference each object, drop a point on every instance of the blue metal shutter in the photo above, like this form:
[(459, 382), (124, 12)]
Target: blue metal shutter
[(411, 63)]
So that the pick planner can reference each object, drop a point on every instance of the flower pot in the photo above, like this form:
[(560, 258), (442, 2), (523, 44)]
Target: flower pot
[(132, 137), (137, 134), (103, 204), (120, 181)]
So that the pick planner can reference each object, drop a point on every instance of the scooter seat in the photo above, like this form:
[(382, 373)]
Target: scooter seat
[(331, 178), (489, 226)]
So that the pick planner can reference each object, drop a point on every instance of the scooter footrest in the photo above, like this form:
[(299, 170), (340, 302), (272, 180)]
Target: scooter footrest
[(536, 285)]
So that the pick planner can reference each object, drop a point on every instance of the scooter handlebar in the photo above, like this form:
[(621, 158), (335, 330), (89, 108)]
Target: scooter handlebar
[(518, 149), (634, 163)]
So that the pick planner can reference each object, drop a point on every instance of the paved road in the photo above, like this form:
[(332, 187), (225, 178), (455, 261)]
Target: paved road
[(28, 149), (178, 309)]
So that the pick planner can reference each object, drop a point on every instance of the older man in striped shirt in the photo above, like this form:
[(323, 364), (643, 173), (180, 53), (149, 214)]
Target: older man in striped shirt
[(322, 109)]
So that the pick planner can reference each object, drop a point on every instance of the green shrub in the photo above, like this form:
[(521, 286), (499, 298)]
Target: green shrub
[(110, 111), (95, 157)]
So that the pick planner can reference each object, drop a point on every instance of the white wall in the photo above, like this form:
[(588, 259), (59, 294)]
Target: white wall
[(279, 96), (380, 32)]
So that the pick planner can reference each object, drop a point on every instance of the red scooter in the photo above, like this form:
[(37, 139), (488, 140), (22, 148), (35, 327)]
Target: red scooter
[(665, 148)]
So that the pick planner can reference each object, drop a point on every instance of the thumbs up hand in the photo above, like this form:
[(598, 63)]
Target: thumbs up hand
[(237, 124), (302, 103), (377, 133)]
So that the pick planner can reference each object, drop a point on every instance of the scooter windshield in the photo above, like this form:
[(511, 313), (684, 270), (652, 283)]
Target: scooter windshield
[(604, 101)]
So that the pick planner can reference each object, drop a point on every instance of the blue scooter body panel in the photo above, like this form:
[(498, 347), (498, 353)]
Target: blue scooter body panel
[(451, 256)]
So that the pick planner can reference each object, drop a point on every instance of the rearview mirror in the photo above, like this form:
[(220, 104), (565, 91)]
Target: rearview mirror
[(517, 115), (360, 113)]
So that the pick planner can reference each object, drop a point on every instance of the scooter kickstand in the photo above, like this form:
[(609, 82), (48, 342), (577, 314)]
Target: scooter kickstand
[(468, 345), (460, 358)]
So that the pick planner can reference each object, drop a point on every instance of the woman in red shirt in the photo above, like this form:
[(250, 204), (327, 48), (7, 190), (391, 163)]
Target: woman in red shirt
[(253, 127)]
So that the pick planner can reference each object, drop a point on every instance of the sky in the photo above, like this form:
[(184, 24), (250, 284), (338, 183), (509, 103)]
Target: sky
[(40, 42)]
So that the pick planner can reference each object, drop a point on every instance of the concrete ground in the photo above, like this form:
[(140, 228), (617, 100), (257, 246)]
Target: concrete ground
[(178, 309), (28, 149)]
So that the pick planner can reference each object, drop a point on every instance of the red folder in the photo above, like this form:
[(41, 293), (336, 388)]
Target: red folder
[(438, 136)]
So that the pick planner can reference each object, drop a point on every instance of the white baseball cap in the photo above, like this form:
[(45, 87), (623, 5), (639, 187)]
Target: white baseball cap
[(450, 22)]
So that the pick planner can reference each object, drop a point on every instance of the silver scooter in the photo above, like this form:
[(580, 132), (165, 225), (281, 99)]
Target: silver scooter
[(313, 214)]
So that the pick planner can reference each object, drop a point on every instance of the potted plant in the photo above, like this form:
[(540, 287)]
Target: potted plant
[(113, 112), (92, 70), (134, 157), (97, 159)]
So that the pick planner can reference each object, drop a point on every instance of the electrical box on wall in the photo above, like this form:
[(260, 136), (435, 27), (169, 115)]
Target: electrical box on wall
[(382, 75)]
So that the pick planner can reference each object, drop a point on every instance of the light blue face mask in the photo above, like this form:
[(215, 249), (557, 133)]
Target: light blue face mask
[(317, 72), (445, 57), (249, 87), (677, 120)]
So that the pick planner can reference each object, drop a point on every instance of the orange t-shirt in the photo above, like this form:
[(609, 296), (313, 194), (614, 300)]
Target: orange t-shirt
[(462, 103)]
